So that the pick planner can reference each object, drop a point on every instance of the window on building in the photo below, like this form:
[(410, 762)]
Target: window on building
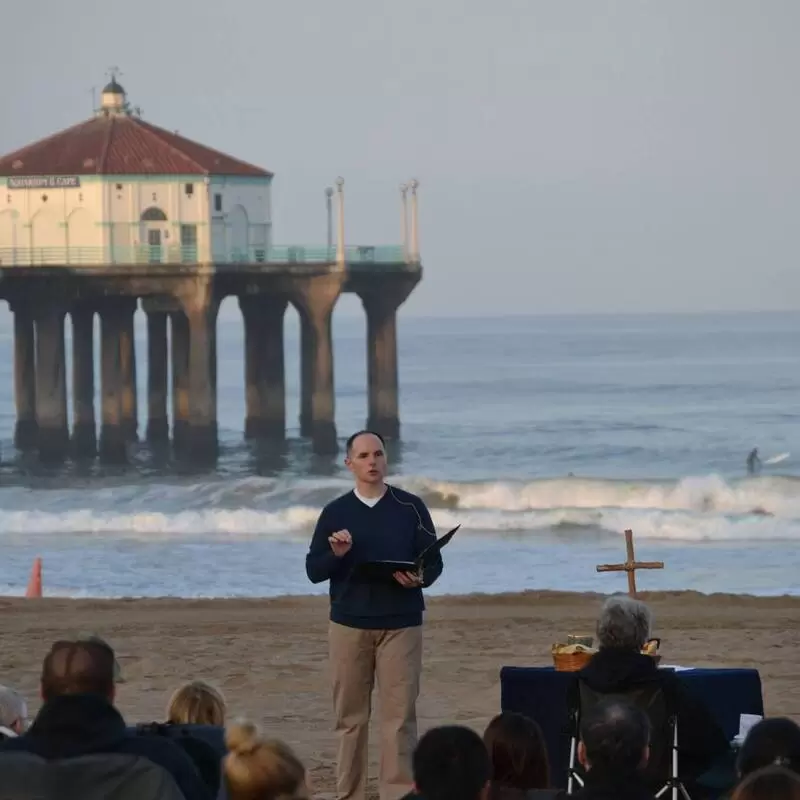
[(217, 202), (189, 189), (189, 243)]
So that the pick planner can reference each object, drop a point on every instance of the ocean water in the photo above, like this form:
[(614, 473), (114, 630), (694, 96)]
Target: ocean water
[(545, 438)]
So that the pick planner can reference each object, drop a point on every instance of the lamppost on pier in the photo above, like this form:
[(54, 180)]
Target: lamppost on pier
[(329, 210), (340, 260), (414, 184), (404, 219)]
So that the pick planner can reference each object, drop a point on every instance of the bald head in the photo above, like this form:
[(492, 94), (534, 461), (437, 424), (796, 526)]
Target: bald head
[(81, 667)]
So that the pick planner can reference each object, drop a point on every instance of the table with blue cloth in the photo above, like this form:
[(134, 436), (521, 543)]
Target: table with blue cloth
[(541, 694)]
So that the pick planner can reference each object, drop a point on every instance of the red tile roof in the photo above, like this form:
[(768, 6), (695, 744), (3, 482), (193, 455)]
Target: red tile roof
[(121, 145)]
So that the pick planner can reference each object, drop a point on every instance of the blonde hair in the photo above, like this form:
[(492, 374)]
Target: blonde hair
[(261, 769), (769, 783), (196, 703)]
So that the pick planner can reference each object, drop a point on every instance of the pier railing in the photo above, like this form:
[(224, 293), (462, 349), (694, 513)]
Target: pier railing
[(178, 254)]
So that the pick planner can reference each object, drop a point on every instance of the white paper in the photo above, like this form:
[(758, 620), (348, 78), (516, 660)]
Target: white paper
[(746, 722)]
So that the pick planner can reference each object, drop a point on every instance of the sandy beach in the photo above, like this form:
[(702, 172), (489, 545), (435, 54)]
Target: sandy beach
[(269, 656)]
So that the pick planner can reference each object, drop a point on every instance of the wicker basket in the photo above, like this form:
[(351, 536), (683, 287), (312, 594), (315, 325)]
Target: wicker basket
[(571, 662), (574, 662)]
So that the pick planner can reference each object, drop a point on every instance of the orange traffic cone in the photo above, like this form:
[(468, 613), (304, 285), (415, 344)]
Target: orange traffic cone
[(35, 581)]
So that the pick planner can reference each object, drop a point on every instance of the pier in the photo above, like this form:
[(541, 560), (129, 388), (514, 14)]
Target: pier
[(181, 302), (116, 216)]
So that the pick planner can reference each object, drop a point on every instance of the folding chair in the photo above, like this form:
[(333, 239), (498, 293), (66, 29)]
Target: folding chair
[(657, 701)]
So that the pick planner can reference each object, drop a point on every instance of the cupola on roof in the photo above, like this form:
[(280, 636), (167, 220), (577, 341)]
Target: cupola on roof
[(113, 88), (117, 142)]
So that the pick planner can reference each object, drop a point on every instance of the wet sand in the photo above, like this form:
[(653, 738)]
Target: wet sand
[(269, 656)]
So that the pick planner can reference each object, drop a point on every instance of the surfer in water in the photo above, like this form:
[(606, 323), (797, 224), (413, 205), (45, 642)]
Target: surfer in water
[(753, 462)]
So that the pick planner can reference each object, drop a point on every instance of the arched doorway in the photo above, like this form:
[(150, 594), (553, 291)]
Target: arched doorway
[(153, 232)]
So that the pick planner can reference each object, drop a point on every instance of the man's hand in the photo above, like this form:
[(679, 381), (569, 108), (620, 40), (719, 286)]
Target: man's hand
[(409, 580), (340, 542)]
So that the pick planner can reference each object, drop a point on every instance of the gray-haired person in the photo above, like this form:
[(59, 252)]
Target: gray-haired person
[(623, 628), (13, 713)]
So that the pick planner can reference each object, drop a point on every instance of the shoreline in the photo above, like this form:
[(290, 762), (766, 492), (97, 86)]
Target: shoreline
[(269, 656), (646, 595)]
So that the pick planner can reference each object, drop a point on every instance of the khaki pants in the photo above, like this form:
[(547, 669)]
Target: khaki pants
[(358, 658)]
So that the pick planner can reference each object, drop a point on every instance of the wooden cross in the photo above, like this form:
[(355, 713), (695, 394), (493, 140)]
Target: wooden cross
[(631, 565)]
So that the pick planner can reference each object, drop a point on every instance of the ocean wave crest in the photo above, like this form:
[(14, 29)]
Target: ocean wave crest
[(777, 496), (701, 508)]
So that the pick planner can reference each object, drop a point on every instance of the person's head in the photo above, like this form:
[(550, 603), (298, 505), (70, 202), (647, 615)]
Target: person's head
[(769, 783), (261, 769), (13, 710), (517, 752), (196, 703), (770, 741), (615, 738), (624, 623), (78, 667), (451, 763), (366, 457), (93, 637)]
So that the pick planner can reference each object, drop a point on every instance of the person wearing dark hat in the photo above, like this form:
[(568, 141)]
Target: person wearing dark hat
[(78, 720)]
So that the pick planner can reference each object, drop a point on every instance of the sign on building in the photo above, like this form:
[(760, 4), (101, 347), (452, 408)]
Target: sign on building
[(44, 182)]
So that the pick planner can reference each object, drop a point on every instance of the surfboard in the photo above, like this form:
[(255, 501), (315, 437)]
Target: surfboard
[(777, 459)]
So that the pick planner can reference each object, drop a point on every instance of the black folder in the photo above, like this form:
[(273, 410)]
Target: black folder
[(384, 570)]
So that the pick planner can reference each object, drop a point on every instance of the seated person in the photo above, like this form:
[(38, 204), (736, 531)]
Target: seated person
[(78, 719), (769, 783), (613, 749), (259, 769), (619, 666), (13, 713), (519, 759), (770, 741), (451, 763), (196, 703)]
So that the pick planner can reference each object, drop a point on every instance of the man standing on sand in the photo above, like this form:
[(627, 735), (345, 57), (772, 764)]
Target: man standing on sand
[(375, 629)]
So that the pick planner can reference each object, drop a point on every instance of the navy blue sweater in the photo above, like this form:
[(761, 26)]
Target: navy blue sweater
[(393, 529)]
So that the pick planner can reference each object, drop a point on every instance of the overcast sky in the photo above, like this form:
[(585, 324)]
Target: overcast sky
[(593, 155)]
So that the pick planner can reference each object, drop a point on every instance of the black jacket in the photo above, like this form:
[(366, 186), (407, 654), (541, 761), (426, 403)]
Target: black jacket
[(82, 725), (509, 793), (700, 738), (105, 776), (204, 744), (600, 786)]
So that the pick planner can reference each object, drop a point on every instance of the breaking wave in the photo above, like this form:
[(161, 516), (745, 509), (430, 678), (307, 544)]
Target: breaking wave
[(701, 508)]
